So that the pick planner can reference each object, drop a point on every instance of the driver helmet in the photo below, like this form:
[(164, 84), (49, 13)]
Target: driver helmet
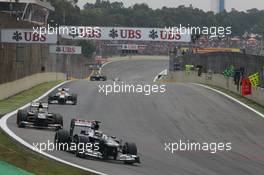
[(95, 125), (40, 107), (98, 133)]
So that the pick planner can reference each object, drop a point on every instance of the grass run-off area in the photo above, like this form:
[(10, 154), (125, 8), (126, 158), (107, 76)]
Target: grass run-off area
[(16, 154)]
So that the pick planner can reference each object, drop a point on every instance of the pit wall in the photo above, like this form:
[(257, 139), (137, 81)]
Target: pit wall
[(14, 87), (217, 80)]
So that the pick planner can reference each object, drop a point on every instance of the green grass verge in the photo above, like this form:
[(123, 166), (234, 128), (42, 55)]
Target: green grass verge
[(14, 153), (24, 97), (245, 100)]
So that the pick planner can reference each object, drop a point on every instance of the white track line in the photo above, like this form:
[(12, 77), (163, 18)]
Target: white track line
[(161, 73), (103, 65), (4, 126), (232, 98)]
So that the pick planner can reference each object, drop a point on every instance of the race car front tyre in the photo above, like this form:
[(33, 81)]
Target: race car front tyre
[(103, 78), (80, 142), (58, 120), (72, 125), (130, 148), (105, 153), (62, 139), (93, 79), (49, 99), (21, 116), (74, 99)]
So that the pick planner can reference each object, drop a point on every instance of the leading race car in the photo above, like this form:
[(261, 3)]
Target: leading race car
[(98, 77), (88, 140), (63, 97), (38, 116)]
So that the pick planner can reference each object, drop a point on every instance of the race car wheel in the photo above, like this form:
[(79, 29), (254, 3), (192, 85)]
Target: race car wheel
[(105, 153), (62, 139), (74, 99), (59, 120), (49, 99), (130, 148), (92, 79), (21, 116), (80, 142), (104, 78), (72, 125), (114, 153)]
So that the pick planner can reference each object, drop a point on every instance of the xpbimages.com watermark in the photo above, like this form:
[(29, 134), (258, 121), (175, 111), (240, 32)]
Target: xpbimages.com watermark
[(80, 31), (84, 31), (213, 147), (51, 146), (212, 31), (145, 89)]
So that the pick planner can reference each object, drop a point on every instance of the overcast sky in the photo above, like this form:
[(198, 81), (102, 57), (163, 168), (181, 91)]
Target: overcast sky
[(203, 4)]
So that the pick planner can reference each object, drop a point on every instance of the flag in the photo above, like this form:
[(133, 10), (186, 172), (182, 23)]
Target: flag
[(188, 68), (254, 79), (229, 72), (246, 87)]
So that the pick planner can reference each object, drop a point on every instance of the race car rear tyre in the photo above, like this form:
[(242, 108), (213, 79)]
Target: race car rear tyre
[(62, 139), (130, 148), (21, 116)]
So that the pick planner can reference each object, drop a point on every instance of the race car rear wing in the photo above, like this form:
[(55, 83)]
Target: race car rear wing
[(66, 89), (36, 104), (83, 122)]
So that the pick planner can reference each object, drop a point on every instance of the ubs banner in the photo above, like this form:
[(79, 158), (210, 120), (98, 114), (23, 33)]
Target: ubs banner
[(125, 33), (26, 36), (65, 49), (91, 33)]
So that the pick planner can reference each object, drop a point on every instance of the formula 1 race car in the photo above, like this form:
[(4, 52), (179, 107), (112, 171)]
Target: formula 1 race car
[(85, 136), (62, 97), (98, 77), (38, 116)]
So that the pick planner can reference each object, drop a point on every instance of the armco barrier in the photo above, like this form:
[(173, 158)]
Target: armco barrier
[(14, 87), (217, 80)]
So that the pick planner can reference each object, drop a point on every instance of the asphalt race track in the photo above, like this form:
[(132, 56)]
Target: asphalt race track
[(184, 112)]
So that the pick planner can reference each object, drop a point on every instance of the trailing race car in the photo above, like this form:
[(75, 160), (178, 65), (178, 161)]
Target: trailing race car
[(63, 97), (98, 77), (38, 116), (84, 136)]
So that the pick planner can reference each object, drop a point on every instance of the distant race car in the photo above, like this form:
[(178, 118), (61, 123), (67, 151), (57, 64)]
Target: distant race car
[(38, 116), (63, 97), (98, 77), (85, 132), (116, 79)]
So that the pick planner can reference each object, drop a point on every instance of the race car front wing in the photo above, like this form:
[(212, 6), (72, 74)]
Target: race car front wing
[(127, 158)]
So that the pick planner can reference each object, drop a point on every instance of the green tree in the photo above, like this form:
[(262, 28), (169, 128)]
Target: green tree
[(87, 48)]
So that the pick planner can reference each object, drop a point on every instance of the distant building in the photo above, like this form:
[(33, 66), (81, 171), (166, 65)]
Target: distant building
[(217, 6), (35, 11)]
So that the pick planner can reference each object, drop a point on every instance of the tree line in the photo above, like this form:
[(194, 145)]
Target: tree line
[(106, 13)]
